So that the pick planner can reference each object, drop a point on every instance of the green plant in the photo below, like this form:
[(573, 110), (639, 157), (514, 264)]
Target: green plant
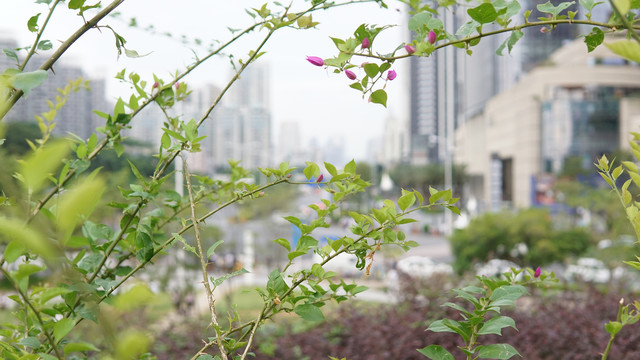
[(484, 317)]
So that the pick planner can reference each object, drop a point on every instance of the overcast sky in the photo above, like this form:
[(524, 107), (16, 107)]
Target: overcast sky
[(320, 100)]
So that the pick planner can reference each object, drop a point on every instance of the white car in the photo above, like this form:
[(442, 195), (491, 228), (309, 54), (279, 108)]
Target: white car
[(495, 267), (590, 270), (422, 266)]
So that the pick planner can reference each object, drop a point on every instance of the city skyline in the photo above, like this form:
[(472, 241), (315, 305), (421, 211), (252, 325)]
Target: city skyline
[(299, 85)]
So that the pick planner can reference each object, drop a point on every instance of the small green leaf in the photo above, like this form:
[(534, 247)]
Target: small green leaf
[(284, 243), (484, 14), (79, 347), (32, 24), (14, 250), (37, 167), (217, 282), (497, 351), (496, 324), (613, 327), (62, 328), (28, 81), (371, 69), (213, 247), (406, 200), (594, 39), (31, 342), (436, 352), (379, 97), (309, 312), (45, 45)]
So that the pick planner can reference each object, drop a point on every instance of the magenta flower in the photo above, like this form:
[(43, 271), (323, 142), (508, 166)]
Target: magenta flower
[(350, 74), (410, 49), (320, 178), (432, 37), (365, 43), (315, 60), (155, 85), (391, 75), (537, 273)]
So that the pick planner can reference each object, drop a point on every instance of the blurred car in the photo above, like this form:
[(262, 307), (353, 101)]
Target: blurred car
[(422, 266), (590, 270), (495, 267)]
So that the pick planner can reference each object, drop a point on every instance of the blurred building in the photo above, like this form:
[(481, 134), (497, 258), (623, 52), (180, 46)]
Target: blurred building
[(76, 116), (578, 105), (451, 87)]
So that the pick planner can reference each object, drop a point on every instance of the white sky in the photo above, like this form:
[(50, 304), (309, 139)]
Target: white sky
[(320, 100)]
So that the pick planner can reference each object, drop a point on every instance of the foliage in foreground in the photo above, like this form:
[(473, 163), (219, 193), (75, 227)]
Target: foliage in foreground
[(546, 327)]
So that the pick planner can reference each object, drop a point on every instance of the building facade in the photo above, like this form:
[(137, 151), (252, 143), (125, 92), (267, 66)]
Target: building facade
[(580, 105)]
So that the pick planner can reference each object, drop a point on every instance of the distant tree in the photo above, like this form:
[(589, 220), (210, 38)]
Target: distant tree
[(527, 238), (16, 135)]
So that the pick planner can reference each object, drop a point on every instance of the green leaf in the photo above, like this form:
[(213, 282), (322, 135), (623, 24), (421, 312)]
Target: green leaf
[(79, 346), (62, 328), (484, 14), (406, 200), (213, 247), (31, 342), (496, 324), (594, 39), (284, 243), (309, 312), (32, 24), (217, 282), (14, 250), (312, 170), (553, 10), (330, 169), (15, 230), (45, 45), (436, 352), (510, 42), (497, 351), (379, 97), (438, 326), (76, 4), (37, 167), (350, 167), (371, 69), (613, 327), (628, 49), (78, 202), (28, 81)]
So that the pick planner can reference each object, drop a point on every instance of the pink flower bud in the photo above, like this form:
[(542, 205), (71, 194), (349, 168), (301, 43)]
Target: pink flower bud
[(177, 85), (432, 37), (410, 49), (537, 273), (155, 85), (365, 43), (320, 178), (391, 75), (350, 74), (315, 60)]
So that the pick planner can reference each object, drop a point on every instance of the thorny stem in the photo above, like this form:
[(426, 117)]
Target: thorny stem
[(32, 50), (495, 32), (203, 260), (25, 298), (268, 307), (61, 50), (612, 337), (625, 21)]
